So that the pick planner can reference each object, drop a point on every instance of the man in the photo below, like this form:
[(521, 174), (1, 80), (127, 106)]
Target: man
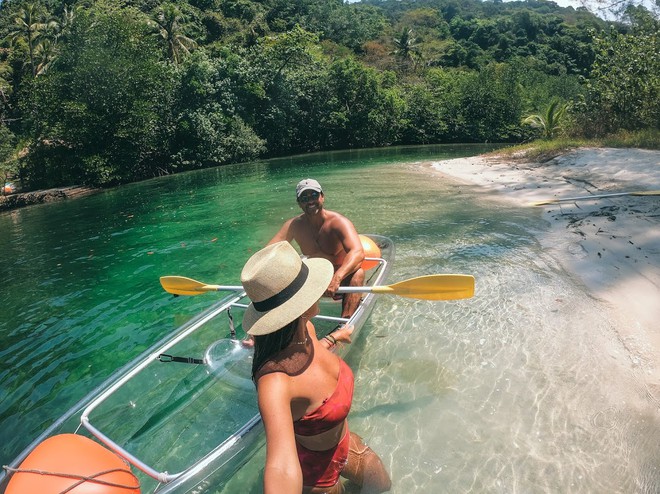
[(320, 232)]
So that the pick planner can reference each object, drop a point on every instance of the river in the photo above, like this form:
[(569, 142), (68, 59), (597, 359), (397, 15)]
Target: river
[(499, 393)]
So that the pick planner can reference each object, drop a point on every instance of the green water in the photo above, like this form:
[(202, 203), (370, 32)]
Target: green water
[(500, 393)]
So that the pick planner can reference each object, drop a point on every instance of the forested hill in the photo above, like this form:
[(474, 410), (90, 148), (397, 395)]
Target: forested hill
[(473, 33), (102, 92)]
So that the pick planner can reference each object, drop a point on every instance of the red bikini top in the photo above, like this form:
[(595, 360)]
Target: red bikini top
[(333, 411)]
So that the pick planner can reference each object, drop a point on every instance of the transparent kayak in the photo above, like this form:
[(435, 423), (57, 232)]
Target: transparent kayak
[(184, 413)]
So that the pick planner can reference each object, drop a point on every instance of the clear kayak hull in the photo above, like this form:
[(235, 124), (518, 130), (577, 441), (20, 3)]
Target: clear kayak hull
[(184, 413)]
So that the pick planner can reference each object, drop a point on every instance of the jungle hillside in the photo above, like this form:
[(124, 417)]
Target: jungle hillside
[(104, 92)]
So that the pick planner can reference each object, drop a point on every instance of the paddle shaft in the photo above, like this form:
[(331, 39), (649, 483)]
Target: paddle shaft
[(220, 288), (598, 196), (341, 289), (237, 288)]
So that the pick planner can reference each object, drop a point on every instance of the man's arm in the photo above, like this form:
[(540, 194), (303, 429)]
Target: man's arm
[(350, 240), (285, 233)]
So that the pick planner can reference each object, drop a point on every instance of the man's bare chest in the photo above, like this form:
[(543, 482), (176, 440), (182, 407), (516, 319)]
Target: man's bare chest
[(320, 242)]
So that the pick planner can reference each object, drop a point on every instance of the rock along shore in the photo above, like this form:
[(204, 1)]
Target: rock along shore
[(15, 201)]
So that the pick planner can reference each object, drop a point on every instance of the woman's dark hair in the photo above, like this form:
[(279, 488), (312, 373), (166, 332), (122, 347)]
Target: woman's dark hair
[(265, 346)]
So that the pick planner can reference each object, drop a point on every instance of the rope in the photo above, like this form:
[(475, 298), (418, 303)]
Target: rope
[(81, 478)]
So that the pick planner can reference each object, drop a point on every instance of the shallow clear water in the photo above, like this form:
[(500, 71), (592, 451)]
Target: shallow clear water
[(525, 388)]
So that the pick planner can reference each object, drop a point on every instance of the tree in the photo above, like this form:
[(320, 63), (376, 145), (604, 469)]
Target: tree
[(405, 47), (424, 115), (619, 9), (623, 91), (45, 52), (489, 105), (209, 129), (29, 25), (5, 87), (549, 122), (350, 25), (102, 114), (8, 162), (360, 110), (287, 68), (170, 24)]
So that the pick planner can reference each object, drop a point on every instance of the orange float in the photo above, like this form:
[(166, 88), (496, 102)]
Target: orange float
[(73, 464), (370, 250)]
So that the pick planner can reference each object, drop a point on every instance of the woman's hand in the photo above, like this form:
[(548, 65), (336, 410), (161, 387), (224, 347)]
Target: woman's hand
[(344, 333), (341, 335)]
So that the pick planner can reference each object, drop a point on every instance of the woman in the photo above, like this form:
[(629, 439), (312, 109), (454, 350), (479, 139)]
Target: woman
[(304, 391)]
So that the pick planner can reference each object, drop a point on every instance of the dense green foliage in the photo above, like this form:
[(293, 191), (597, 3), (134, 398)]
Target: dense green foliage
[(623, 91), (104, 92)]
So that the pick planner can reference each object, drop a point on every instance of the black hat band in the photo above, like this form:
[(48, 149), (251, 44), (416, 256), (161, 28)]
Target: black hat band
[(285, 295)]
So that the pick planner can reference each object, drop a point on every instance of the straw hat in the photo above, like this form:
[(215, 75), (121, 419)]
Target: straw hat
[(282, 286)]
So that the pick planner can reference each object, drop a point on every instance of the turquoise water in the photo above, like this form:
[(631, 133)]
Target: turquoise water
[(505, 392)]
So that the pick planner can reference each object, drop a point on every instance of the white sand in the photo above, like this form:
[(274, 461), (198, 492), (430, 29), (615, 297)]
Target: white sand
[(611, 244)]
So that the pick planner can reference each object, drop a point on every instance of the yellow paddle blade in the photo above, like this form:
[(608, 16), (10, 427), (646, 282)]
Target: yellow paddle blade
[(180, 285), (433, 287)]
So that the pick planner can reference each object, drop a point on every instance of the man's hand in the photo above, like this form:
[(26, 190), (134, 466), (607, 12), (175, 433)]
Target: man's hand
[(333, 286)]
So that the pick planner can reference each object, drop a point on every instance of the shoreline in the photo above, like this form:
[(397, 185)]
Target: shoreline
[(23, 199), (610, 244)]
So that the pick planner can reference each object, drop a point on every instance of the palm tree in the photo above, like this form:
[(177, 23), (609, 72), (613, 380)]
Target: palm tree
[(29, 25), (68, 17), (45, 50), (170, 24), (44, 54), (550, 122), (406, 46)]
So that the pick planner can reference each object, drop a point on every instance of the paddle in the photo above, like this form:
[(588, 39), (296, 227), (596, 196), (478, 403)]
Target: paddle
[(579, 198), (430, 287)]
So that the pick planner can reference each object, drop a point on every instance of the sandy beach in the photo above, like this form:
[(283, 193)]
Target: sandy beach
[(611, 244)]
